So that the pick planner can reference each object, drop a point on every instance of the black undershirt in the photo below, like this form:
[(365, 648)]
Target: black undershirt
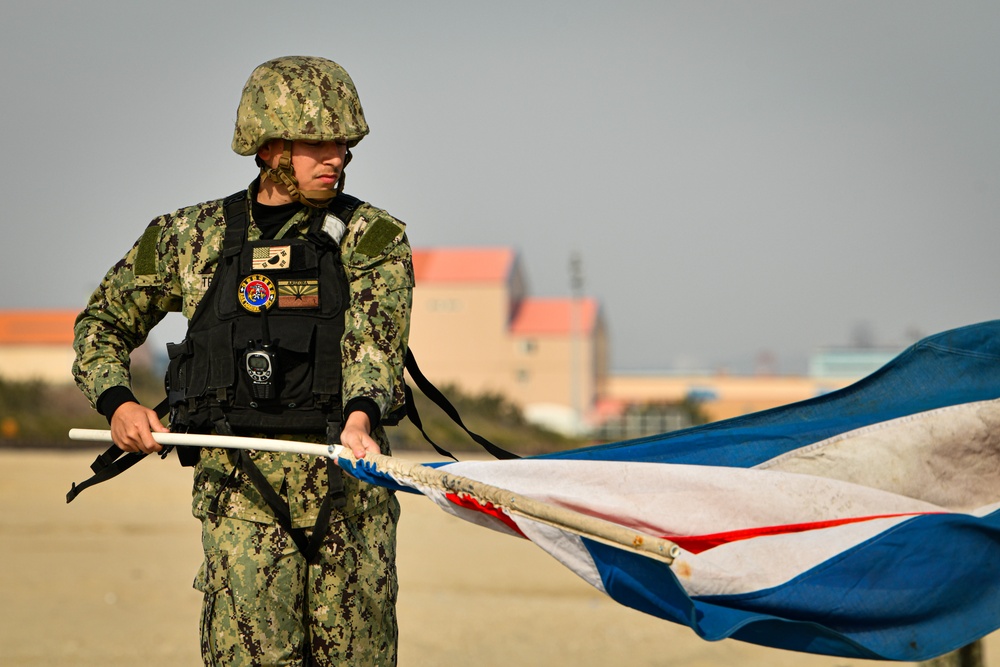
[(270, 219)]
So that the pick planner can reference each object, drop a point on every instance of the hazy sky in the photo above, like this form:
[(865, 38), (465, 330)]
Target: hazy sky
[(737, 177)]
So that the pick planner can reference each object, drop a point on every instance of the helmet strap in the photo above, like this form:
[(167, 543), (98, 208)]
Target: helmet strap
[(343, 171), (285, 175)]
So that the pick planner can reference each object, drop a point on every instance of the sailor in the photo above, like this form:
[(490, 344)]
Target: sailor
[(298, 299)]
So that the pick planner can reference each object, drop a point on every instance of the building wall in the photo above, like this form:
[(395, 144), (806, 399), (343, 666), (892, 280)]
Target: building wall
[(458, 334), (461, 333), (48, 363), (37, 345), (543, 370)]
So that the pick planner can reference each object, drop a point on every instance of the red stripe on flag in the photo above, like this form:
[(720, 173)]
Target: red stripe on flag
[(698, 543), (468, 502)]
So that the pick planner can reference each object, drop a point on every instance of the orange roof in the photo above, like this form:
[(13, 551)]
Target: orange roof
[(461, 265), (606, 408), (541, 317), (37, 327)]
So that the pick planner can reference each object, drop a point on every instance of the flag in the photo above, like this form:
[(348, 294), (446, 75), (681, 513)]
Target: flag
[(863, 523)]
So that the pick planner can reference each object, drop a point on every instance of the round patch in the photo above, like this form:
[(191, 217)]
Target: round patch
[(256, 293)]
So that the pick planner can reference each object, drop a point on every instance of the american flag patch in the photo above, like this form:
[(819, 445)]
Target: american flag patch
[(271, 257)]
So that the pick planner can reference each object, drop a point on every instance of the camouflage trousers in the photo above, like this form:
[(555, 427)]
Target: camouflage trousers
[(264, 605)]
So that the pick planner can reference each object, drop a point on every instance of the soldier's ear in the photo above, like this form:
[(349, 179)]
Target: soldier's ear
[(270, 149)]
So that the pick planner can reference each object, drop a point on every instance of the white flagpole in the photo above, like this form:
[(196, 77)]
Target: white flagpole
[(224, 441), (553, 515)]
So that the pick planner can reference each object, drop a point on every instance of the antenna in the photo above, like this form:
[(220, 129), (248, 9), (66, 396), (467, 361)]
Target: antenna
[(576, 370)]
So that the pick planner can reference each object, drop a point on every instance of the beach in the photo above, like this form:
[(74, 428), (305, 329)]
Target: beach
[(106, 582)]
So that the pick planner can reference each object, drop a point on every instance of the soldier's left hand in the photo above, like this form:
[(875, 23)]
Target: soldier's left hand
[(356, 435)]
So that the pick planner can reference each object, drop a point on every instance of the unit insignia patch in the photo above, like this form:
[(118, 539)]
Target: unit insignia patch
[(256, 293)]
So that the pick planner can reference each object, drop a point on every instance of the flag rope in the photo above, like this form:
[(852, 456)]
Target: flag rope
[(584, 525)]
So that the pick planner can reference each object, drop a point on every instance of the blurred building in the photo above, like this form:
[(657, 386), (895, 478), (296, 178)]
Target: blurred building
[(850, 362), (37, 345), (475, 326), (719, 396), (722, 396)]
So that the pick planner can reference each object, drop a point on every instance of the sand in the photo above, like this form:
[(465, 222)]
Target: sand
[(106, 582)]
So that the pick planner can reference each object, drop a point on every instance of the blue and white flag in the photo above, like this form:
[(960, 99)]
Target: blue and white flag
[(863, 523)]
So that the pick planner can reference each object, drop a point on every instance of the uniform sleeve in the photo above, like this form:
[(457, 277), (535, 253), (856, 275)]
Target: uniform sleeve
[(133, 297), (379, 266)]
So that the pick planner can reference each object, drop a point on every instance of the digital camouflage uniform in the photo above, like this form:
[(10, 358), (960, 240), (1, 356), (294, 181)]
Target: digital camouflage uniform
[(255, 582)]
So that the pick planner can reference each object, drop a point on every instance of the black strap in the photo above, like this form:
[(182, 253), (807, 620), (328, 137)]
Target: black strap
[(308, 546), (105, 470), (414, 416), (114, 461), (432, 393), (240, 460), (336, 498), (235, 210), (341, 207)]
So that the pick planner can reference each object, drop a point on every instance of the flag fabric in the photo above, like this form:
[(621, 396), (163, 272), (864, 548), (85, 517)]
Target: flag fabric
[(862, 523)]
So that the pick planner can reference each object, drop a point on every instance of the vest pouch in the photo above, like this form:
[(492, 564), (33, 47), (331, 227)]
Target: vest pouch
[(175, 382), (291, 408), (176, 379), (199, 373)]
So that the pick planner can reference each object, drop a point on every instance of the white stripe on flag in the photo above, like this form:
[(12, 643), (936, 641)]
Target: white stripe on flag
[(949, 457)]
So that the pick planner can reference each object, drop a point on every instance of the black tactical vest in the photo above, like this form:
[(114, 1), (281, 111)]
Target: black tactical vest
[(262, 350)]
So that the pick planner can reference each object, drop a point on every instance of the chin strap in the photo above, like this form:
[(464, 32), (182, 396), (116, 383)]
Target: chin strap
[(285, 175)]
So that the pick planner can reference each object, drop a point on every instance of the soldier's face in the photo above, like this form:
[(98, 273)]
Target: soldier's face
[(317, 164)]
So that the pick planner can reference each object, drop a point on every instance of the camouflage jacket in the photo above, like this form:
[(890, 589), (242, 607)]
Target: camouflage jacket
[(169, 269)]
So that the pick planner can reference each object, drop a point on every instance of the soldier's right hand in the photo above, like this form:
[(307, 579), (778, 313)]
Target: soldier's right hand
[(132, 426)]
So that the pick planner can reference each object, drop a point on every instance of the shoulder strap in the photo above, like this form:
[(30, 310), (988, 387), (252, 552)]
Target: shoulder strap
[(343, 206), (236, 214), (435, 395)]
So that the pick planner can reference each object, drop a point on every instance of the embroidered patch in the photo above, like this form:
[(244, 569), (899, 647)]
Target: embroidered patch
[(271, 257), (380, 233), (298, 294), (256, 293), (145, 256), (206, 281)]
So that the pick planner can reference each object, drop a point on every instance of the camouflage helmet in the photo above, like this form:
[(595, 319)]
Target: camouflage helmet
[(298, 98)]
